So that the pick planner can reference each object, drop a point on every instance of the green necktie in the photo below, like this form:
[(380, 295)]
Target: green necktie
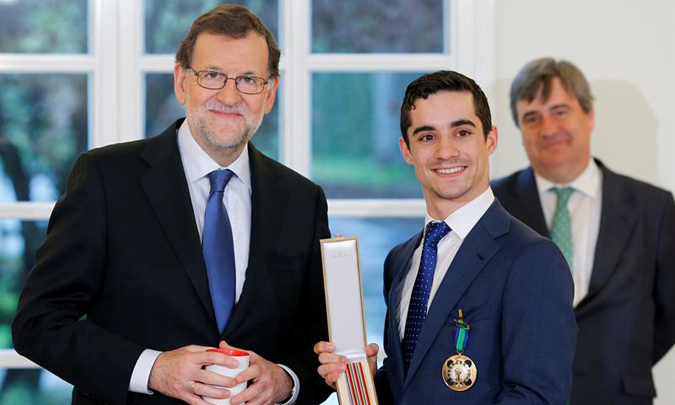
[(561, 227)]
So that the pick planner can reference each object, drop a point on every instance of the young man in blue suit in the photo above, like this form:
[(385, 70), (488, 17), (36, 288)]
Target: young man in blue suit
[(479, 305), (620, 236)]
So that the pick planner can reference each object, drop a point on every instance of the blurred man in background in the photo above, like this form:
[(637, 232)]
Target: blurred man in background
[(617, 234)]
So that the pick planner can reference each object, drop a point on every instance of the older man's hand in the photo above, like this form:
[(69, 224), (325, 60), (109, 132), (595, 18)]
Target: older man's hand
[(269, 383), (180, 374)]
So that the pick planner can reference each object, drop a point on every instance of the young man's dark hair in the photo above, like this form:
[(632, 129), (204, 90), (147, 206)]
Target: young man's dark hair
[(444, 80)]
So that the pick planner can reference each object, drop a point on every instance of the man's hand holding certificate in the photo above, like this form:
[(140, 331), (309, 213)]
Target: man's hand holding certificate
[(347, 363)]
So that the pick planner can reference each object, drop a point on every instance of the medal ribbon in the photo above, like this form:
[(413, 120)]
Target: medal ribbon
[(461, 335), (456, 380)]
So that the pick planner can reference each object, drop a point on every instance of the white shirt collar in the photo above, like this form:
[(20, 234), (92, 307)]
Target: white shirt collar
[(464, 219), (198, 164), (588, 182)]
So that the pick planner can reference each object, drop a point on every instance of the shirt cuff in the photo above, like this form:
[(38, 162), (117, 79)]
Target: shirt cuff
[(296, 386), (140, 377)]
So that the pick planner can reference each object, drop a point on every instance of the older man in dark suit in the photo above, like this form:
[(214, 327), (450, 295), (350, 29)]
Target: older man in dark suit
[(162, 248), (617, 233)]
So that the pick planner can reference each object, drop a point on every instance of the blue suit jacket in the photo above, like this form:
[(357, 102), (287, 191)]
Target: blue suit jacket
[(627, 320), (515, 289)]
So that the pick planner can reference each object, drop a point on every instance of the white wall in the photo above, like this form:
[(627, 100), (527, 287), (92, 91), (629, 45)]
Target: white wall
[(626, 48)]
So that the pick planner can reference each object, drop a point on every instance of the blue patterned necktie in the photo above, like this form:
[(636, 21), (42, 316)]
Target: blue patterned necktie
[(417, 310), (561, 226), (218, 249)]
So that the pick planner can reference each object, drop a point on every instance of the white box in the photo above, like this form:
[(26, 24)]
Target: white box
[(346, 319)]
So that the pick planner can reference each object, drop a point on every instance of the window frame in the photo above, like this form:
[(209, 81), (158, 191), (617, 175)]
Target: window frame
[(117, 66)]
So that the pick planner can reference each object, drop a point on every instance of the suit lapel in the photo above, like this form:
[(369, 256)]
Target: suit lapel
[(166, 187), (528, 206), (268, 203), (476, 250), (394, 299), (616, 225)]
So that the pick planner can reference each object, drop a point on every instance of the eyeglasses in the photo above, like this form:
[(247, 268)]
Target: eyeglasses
[(213, 80)]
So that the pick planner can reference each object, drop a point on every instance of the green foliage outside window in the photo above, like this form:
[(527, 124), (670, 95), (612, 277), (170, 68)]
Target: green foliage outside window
[(167, 22), (355, 133), (377, 26), (51, 26)]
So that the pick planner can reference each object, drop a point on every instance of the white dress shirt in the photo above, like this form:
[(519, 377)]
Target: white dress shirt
[(585, 207), (461, 222), (197, 165), (236, 197)]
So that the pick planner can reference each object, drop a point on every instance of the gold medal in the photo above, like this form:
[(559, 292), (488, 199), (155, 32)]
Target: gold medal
[(459, 372)]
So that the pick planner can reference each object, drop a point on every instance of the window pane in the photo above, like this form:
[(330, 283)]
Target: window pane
[(43, 128), (377, 236), (43, 26), (161, 106), (18, 243), (33, 386), (355, 131), (167, 22), (375, 26), (162, 109)]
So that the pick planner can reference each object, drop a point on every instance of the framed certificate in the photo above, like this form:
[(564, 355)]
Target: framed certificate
[(346, 319)]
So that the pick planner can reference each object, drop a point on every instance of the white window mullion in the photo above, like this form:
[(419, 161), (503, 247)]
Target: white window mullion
[(379, 62), (472, 40), (26, 210), (131, 86), (475, 38), (157, 63), (9, 358), (461, 14), (104, 118), (483, 35), (296, 148), (403, 208), (46, 63)]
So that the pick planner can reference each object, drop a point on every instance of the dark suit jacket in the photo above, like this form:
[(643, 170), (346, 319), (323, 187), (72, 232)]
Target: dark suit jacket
[(123, 249), (515, 290), (627, 320)]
